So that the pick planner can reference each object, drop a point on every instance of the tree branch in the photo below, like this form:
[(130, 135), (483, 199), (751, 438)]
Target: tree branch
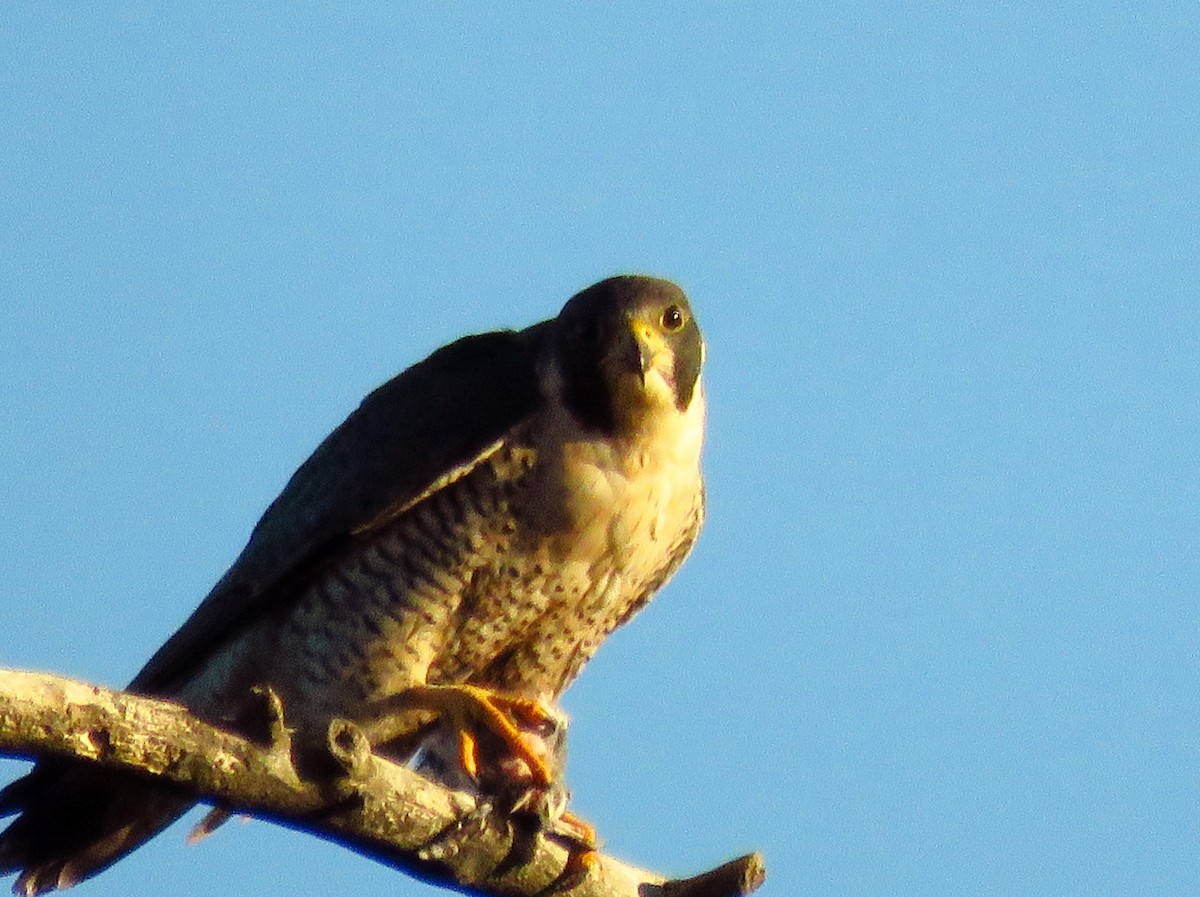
[(378, 808)]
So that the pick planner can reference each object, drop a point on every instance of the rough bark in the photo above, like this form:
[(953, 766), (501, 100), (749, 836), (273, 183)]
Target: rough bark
[(378, 808)]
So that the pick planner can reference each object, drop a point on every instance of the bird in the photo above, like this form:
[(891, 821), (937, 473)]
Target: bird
[(448, 558)]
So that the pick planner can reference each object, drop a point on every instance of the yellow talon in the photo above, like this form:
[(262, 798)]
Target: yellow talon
[(581, 830), (468, 753), (469, 707)]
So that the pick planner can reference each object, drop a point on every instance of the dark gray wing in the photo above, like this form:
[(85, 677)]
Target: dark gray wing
[(408, 438)]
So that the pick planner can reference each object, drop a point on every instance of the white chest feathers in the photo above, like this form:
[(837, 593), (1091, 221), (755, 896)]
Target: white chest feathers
[(624, 502)]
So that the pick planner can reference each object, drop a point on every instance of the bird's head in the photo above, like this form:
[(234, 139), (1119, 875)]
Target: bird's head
[(628, 349)]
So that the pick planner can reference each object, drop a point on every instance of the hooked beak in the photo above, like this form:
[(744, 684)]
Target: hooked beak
[(647, 345)]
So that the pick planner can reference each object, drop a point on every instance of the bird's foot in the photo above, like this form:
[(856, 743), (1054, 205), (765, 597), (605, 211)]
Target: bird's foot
[(500, 778), (475, 712), (579, 838)]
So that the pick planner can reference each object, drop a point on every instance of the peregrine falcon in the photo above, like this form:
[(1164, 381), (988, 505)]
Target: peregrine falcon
[(452, 554)]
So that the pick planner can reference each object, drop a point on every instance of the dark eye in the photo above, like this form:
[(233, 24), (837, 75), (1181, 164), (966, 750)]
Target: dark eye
[(672, 318)]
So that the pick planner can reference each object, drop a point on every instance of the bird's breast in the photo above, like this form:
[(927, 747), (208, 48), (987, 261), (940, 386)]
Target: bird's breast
[(618, 499), (601, 524)]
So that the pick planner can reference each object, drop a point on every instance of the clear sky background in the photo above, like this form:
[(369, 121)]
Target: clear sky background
[(939, 636)]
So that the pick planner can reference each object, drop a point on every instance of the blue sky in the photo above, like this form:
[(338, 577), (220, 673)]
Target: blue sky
[(939, 636)]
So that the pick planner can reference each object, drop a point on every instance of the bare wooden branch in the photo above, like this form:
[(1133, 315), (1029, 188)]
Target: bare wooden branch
[(378, 808)]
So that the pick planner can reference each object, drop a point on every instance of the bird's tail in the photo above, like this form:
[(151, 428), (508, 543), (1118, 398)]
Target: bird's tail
[(76, 821)]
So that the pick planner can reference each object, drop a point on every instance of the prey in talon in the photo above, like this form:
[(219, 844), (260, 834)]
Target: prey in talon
[(485, 765), (498, 778), (450, 556)]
